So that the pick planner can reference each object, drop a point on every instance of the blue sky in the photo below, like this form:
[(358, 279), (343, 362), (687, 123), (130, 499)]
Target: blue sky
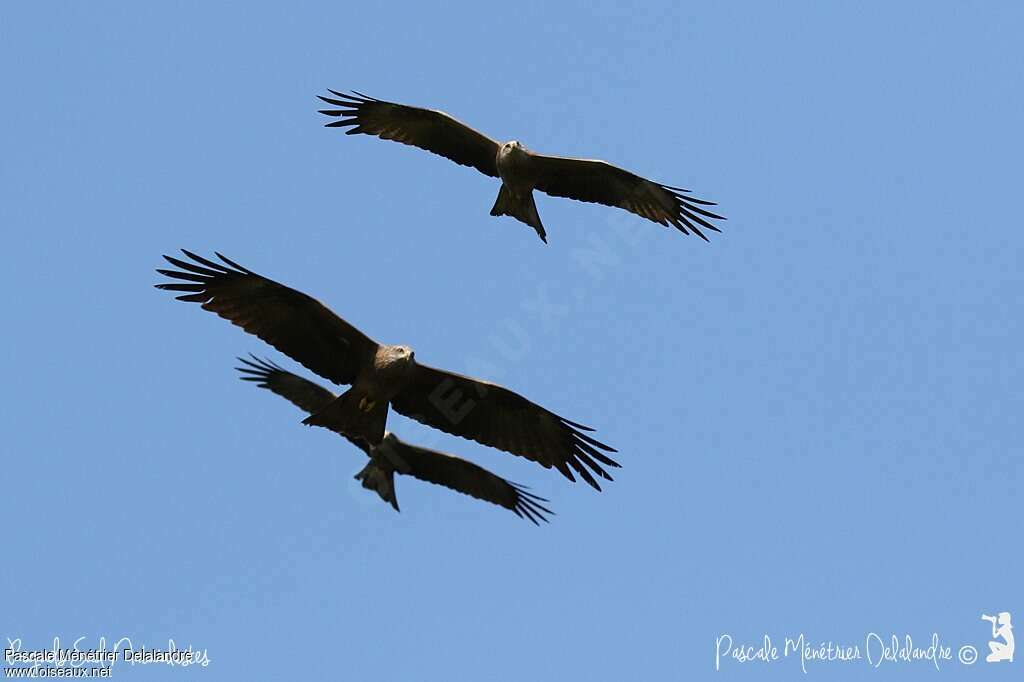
[(818, 413)]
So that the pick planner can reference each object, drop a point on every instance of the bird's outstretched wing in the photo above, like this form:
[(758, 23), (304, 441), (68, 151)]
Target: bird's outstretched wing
[(427, 465), (307, 395), (292, 322), (469, 479), (497, 417), (434, 131), (602, 183)]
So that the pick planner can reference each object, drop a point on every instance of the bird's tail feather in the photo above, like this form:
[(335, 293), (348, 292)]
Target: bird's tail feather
[(353, 414), (523, 209), (380, 478)]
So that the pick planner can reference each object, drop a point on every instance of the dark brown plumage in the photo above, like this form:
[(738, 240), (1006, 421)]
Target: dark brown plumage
[(520, 169), (395, 455), (308, 332)]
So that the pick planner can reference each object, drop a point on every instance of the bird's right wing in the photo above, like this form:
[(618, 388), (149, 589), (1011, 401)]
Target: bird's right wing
[(497, 417), (292, 322), (469, 479), (434, 131)]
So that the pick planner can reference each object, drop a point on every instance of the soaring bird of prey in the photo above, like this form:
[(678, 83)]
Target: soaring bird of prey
[(521, 170), (395, 455), (381, 375)]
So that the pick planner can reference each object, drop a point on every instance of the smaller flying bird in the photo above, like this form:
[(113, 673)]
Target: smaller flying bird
[(382, 376), (520, 170), (393, 455)]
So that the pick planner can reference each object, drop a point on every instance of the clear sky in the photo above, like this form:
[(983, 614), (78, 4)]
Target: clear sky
[(818, 413)]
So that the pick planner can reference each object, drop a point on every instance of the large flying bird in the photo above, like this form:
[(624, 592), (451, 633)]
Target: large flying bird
[(395, 455), (521, 170), (381, 375)]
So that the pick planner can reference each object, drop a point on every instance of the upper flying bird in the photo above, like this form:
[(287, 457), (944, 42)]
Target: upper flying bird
[(521, 170), (395, 455), (305, 330)]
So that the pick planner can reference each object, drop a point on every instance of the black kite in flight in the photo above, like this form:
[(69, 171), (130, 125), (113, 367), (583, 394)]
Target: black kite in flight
[(521, 170), (395, 455)]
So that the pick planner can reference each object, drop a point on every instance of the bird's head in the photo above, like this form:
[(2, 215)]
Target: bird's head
[(513, 146), (403, 354), (394, 360)]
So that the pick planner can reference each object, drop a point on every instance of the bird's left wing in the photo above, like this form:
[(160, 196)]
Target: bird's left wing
[(307, 395), (467, 478), (497, 417), (434, 131), (602, 183)]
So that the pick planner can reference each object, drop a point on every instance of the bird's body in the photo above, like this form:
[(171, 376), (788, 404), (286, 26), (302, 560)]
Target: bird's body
[(515, 167), (519, 169), (518, 178), (388, 450), (362, 410)]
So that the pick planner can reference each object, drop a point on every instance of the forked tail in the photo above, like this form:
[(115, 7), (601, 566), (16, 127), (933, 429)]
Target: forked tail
[(379, 477), (523, 209)]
